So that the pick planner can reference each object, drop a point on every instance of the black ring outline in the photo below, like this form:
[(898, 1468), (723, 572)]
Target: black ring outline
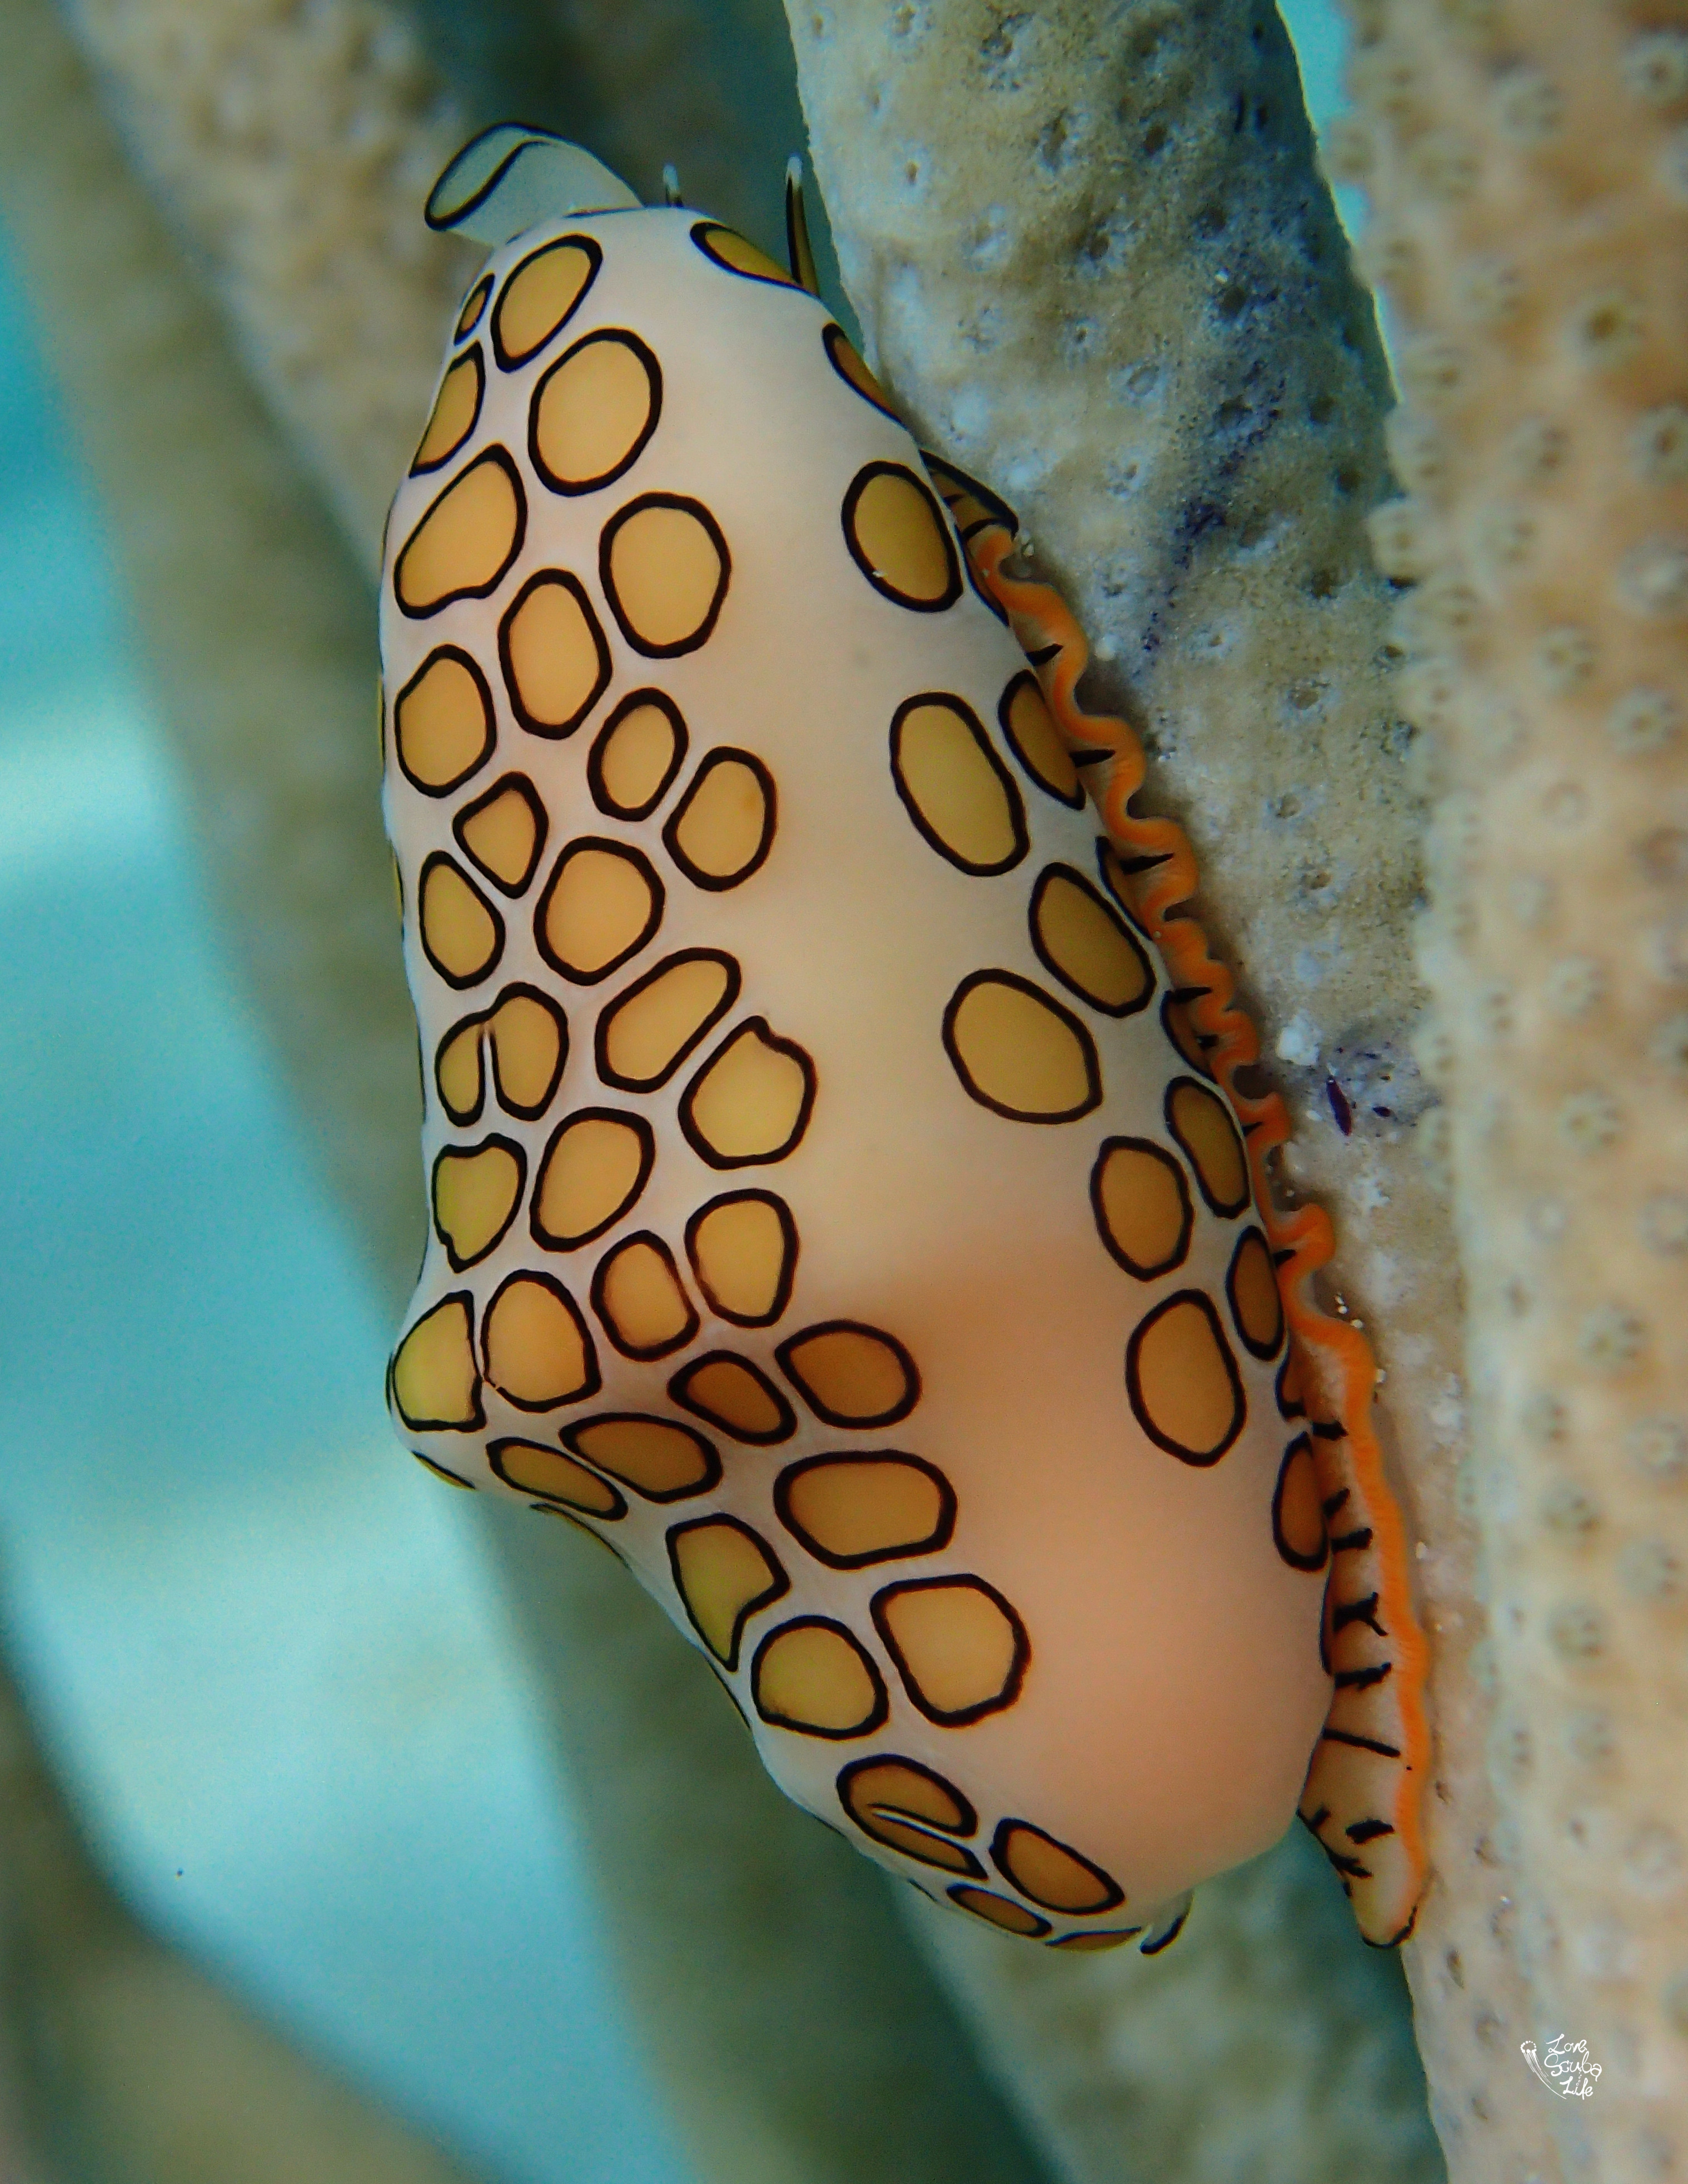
[(1040, 1927), (959, 1581), (1114, 1895), (830, 335), (788, 1276), (1226, 1210), (1016, 807), (521, 990), (1288, 1407), (501, 459), (478, 1413), (1198, 1060), (917, 1822), (555, 732), (494, 1141), (495, 1457), (545, 1238), (601, 1036), (678, 1385), (933, 1544), (722, 755), (707, 1484), (1070, 873), (1093, 1066), (653, 371), (704, 228), (996, 512), (1134, 1382), (455, 653), (939, 469), (629, 854), (1004, 707), (1111, 874), (439, 1471), (1287, 1553), (760, 1026), (966, 1825), (1111, 1244), (634, 702), (583, 243), (853, 492), (600, 1277), (897, 1411), (606, 546), (465, 1117), (881, 1698), (527, 135), (1154, 1948), (1254, 1348), (594, 1379), (431, 863), (468, 320), (777, 1591), (522, 786), (469, 355)]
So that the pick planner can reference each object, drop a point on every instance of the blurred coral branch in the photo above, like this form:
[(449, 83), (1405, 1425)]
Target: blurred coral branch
[(1527, 173), (120, 2063)]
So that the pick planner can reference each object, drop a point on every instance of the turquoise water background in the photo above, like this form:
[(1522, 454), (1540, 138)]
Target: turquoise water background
[(269, 1658)]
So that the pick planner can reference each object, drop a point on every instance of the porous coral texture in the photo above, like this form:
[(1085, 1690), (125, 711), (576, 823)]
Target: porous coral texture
[(292, 146), (1207, 2065), (1095, 264), (1528, 168)]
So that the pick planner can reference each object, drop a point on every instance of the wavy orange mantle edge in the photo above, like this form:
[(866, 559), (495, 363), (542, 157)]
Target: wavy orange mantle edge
[(1373, 1759)]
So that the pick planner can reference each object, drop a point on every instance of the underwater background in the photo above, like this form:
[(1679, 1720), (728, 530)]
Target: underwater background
[(269, 1658)]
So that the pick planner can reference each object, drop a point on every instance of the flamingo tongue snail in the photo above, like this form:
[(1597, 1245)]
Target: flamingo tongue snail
[(843, 1201)]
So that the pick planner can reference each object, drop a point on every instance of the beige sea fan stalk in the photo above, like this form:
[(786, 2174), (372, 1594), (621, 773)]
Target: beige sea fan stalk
[(1528, 171), (1095, 264), (291, 145)]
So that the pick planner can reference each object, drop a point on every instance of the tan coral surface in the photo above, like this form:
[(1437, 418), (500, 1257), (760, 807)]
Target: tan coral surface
[(1528, 169), (1096, 266), (292, 147), (1208, 2064)]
